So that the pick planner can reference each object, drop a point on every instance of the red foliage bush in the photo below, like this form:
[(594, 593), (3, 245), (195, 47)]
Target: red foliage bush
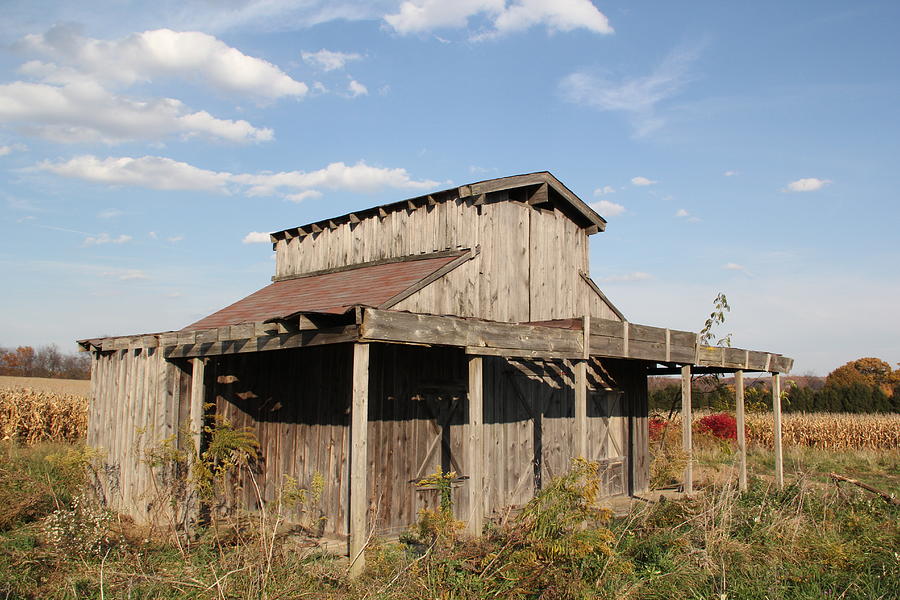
[(657, 428), (722, 426)]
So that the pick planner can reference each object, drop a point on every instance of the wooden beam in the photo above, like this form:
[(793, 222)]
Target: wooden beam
[(299, 339), (358, 488), (776, 409), (520, 353), (581, 390), (475, 446), (741, 429), (596, 289), (374, 263), (686, 441)]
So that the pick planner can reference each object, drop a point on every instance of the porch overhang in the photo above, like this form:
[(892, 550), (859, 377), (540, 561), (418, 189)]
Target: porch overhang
[(588, 337)]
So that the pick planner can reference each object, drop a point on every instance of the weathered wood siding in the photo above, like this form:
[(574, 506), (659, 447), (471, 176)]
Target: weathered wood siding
[(296, 402), (138, 401), (528, 268)]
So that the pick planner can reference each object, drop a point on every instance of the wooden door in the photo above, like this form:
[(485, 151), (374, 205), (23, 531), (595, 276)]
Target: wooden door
[(608, 438)]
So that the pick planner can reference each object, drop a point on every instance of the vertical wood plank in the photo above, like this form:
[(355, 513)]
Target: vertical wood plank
[(475, 446), (359, 418), (741, 431), (687, 443), (776, 409), (197, 400)]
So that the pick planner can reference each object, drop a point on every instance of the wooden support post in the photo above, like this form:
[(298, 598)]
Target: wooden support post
[(358, 489), (475, 446), (687, 443), (198, 399), (581, 392), (776, 409), (741, 431)]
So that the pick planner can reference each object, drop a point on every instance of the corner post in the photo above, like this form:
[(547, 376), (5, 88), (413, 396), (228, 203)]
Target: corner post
[(741, 431), (358, 489), (475, 446), (776, 409), (686, 441)]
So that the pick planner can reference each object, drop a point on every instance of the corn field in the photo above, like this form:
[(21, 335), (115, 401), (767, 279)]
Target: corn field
[(828, 431), (29, 416)]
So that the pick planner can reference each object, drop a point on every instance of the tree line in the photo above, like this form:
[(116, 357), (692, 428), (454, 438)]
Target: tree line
[(865, 385), (46, 361)]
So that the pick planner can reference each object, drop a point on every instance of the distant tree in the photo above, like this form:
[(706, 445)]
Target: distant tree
[(864, 371), (20, 362)]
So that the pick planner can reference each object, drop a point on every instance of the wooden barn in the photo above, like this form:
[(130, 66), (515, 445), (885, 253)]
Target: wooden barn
[(455, 331)]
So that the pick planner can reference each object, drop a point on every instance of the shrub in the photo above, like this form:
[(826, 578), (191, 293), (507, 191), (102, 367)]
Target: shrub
[(721, 425)]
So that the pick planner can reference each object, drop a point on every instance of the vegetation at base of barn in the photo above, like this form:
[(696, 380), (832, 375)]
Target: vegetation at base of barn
[(30, 416), (812, 540)]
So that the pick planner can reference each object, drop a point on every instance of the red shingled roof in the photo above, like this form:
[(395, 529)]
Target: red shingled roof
[(328, 293)]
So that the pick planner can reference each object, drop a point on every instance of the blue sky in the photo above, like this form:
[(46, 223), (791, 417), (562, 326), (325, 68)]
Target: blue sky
[(748, 148)]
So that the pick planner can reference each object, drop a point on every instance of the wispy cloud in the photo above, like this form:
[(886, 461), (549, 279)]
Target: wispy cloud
[(110, 213), (105, 238), (642, 181), (355, 88), (606, 189), (607, 208), (730, 173), (734, 267), (638, 97), (329, 60), (161, 173), (256, 237), (808, 184)]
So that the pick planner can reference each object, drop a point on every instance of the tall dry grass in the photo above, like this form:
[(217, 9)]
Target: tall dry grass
[(29, 416)]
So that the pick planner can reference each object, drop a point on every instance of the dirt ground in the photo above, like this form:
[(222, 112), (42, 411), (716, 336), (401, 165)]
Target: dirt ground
[(82, 387)]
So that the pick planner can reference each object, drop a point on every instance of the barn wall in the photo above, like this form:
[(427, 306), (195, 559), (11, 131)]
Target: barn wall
[(528, 268), (138, 401), (297, 404)]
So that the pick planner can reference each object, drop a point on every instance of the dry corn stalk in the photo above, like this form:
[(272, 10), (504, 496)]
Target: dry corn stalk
[(30, 416)]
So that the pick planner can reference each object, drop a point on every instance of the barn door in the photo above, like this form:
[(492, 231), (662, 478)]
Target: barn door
[(608, 438)]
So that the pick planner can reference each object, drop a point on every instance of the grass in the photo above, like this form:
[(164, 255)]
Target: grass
[(810, 540)]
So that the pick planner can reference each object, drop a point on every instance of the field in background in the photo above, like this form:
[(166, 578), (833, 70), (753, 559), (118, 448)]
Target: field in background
[(29, 416), (80, 387)]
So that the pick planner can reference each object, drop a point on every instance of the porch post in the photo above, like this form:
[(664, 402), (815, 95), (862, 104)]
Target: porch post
[(359, 420), (686, 442), (475, 446), (776, 409), (581, 428), (198, 391), (741, 434)]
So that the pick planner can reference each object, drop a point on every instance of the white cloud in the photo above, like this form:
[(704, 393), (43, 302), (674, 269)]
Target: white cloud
[(329, 60), (606, 189), (607, 208), (642, 181), (734, 267), (110, 213), (305, 195), (505, 17), (174, 239), (153, 172), (636, 96), (105, 238), (634, 276), (256, 237), (355, 88), (148, 56), (152, 235), (730, 173), (682, 213), (161, 173), (85, 111), (809, 184)]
